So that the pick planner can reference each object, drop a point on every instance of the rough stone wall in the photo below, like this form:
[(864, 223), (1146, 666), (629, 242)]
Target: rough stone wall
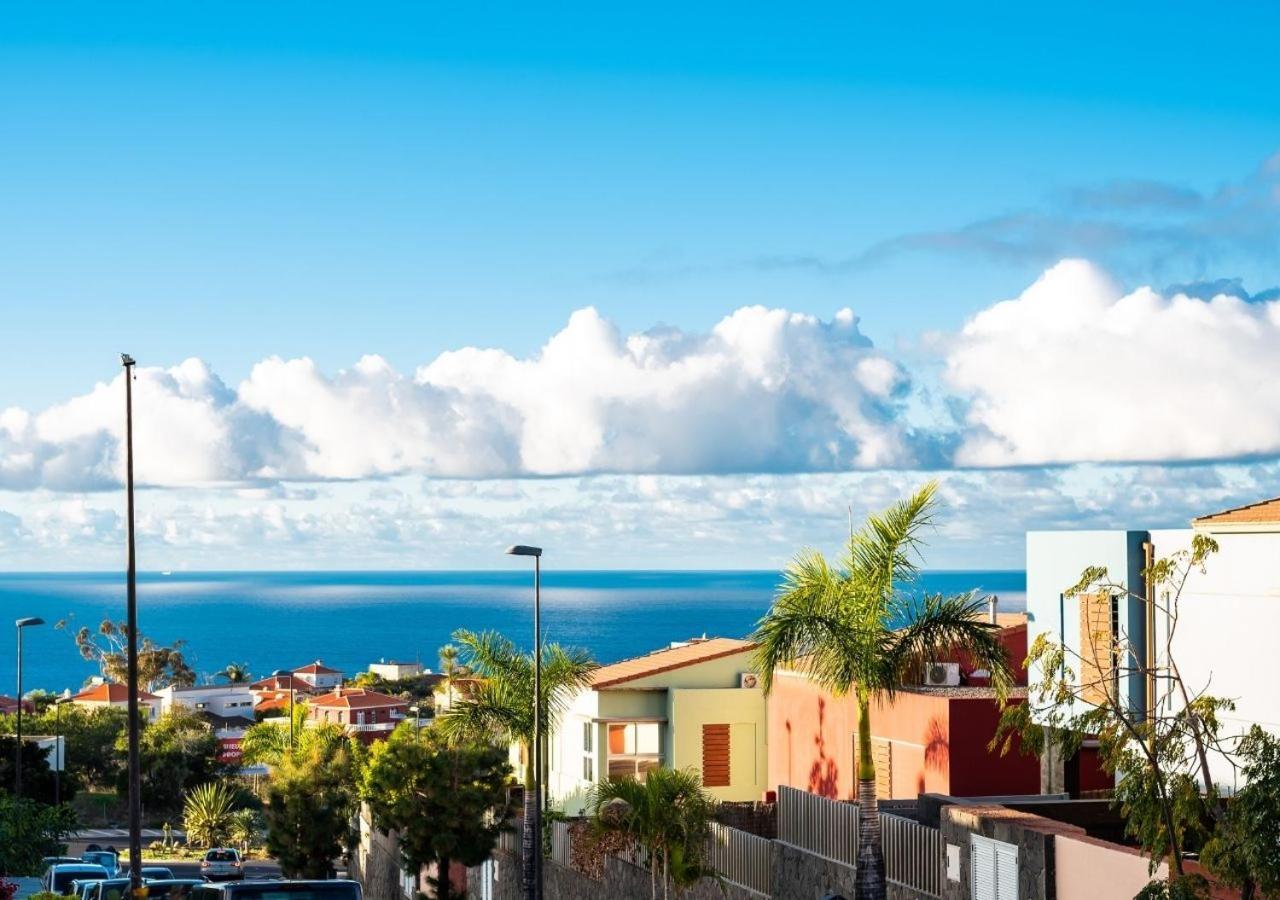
[(376, 862), (620, 880), (800, 875), (1033, 836), (754, 818)]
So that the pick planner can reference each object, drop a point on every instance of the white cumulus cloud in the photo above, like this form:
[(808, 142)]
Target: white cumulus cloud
[(1077, 370)]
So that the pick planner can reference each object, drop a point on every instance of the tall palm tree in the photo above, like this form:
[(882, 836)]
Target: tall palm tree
[(501, 705), (859, 627), (451, 668), (236, 673), (269, 743)]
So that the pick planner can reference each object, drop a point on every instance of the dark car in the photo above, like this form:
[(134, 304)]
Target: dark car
[(279, 890), (171, 888), (106, 889)]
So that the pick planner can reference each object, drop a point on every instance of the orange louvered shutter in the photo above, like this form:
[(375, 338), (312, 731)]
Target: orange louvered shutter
[(1097, 646), (715, 755)]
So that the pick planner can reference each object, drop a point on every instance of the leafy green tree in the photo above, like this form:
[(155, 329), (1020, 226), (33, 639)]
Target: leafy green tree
[(246, 827), (500, 706), (311, 799), (447, 801), (268, 741), (236, 673), (1161, 757), (177, 752), (158, 664), (29, 831), (669, 815), (207, 814), (85, 733), (38, 779), (1244, 850), (860, 628)]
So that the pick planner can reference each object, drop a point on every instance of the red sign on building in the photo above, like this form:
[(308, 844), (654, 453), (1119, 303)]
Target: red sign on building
[(229, 751)]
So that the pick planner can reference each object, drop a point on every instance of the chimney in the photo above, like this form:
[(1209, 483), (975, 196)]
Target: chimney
[(993, 602)]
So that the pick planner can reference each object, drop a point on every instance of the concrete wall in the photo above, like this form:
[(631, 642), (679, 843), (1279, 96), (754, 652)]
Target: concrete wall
[(743, 710), (1088, 869), (1228, 619)]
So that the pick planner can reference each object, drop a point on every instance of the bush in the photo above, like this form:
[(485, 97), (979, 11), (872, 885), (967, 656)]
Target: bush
[(207, 814)]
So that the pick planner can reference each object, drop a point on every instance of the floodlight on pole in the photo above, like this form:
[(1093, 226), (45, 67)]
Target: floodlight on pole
[(533, 868), (19, 624)]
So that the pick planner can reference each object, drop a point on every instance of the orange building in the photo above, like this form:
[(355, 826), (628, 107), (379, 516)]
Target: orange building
[(928, 739)]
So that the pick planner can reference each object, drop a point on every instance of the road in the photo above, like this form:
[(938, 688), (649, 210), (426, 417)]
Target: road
[(253, 868)]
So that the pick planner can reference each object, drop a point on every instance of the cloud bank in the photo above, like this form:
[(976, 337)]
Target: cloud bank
[(1073, 370)]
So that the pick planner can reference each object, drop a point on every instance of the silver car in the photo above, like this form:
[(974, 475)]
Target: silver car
[(222, 864)]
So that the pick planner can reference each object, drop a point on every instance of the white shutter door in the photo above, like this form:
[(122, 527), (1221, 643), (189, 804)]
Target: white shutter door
[(1006, 870), (982, 866)]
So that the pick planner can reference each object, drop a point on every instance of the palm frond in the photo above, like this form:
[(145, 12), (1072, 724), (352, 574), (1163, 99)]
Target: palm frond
[(883, 553), (943, 625)]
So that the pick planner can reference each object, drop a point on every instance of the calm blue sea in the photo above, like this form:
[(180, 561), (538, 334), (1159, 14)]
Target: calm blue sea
[(274, 620)]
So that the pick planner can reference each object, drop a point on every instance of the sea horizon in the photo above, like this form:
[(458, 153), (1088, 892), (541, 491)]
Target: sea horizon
[(284, 618)]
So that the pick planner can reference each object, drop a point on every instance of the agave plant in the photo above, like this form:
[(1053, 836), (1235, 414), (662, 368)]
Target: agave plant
[(208, 814)]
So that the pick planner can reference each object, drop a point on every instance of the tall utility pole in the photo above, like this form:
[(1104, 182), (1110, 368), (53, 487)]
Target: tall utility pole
[(131, 588), (533, 843)]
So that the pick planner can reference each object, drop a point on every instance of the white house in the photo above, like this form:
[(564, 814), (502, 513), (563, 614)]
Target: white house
[(319, 676), (1228, 616), (225, 701), (395, 671), (110, 694)]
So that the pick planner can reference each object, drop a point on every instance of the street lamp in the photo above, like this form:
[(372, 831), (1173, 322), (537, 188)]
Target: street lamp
[(533, 868), (58, 747), (278, 674), (131, 617), (17, 770), (417, 720)]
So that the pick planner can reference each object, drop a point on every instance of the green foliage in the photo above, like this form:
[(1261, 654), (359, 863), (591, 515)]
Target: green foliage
[(447, 801), (177, 752), (236, 673), (246, 827), (311, 798), (843, 624), (1183, 887), (669, 815), (268, 741), (85, 732), (107, 646), (30, 831), (1244, 851), (38, 779), (207, 814)]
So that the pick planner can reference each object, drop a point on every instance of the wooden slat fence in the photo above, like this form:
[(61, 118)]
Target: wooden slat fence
[(828, 828), (913, 855), (561, 846), (742, 858)]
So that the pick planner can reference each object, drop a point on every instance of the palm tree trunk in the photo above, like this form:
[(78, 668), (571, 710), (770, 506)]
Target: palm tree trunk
[(528, 836), (870, 872), (444, 887)]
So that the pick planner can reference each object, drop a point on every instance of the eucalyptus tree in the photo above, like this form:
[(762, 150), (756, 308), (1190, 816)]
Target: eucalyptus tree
[(861, 626), (498, 704)]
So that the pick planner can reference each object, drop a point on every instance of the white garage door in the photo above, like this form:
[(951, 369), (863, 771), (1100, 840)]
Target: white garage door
[(994, 865)]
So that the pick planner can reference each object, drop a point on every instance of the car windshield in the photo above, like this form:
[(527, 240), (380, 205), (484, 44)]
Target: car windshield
[(304, 890), (221, 856), (170, 889)]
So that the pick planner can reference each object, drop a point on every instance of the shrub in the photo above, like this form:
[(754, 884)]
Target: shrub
[(207, 814)]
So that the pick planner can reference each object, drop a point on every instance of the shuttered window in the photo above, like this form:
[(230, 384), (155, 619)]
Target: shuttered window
[(993, 869), (882, 756), (715, 755), (1098, 630)]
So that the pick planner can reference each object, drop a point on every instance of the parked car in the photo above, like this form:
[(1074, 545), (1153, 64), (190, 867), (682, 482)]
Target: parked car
[(108, 859), (82, 886), (171, 888), (222, 864), (155, 873), (279, 890), (59, 876), (105, 889), (54, 860)]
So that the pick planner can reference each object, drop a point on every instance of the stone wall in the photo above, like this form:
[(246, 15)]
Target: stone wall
[(1033, 835), (375, 862), (801, 875), (621, 880)]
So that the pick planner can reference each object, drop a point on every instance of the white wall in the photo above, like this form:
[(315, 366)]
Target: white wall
[(1228, 626)]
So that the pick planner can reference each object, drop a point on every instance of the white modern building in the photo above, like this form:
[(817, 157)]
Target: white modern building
[(1228, 615), (390, 670)]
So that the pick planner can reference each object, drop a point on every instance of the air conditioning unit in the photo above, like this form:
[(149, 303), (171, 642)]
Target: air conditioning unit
[(749, 680), (942, 674)]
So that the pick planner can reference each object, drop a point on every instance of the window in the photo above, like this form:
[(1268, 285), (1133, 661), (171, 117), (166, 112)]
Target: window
[(635, 748), (588, 768), (588, 737), (715, 755), (993, 869)]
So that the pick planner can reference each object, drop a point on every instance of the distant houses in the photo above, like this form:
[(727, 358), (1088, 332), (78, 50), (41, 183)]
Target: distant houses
[(319, 676), (109, 694), (365, 714), (396, 671)]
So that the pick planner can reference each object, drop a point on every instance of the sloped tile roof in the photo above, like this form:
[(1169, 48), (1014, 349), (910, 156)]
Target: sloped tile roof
[(660, 661), (355, 698), (316, 668), (110, 693), (1263, 512)]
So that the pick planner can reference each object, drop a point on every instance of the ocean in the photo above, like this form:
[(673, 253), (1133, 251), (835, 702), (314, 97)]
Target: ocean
[(282, 620)]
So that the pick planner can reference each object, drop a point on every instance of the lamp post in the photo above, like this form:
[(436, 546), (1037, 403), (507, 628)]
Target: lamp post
[(417, 720), (278, 674), (533, 873), (20, 624), (131, 596), (58, 748)]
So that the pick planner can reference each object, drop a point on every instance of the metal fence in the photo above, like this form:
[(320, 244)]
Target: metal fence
[(913, 856), (509, 839), (742, 858), (828, 828), (561, 846)]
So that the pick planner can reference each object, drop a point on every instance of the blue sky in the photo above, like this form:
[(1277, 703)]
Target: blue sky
[(236, 182)]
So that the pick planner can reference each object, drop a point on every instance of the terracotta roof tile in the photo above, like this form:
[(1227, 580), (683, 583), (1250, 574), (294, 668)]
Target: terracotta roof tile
[(659, 661), (355, 698), (110, 693), (316, 668), (1263, 512)]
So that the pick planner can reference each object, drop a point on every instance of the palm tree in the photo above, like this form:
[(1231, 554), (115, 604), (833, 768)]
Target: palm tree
[(859, 627), (236, 673), (269, 743), (500, 707), (669, 815), (451, 668)]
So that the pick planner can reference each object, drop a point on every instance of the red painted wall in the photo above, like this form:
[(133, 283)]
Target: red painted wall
[(977, 771)]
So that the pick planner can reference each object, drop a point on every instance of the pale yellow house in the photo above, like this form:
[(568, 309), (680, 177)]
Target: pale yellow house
[(693, 705)]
